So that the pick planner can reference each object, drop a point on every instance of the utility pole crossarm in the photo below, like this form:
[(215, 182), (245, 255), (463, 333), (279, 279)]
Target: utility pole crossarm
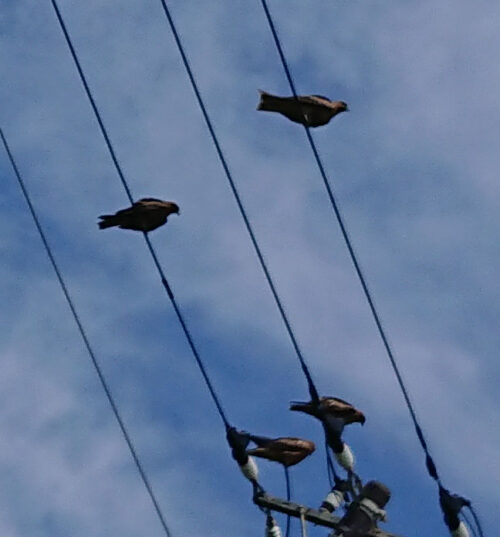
[(320, 518)]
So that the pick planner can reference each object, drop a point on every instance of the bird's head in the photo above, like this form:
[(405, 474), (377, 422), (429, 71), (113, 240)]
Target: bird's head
[(359, 417), (343, 107), (175, 208)]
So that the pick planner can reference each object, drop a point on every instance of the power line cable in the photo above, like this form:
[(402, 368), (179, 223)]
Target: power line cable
[(85, 339), (128, 191), (312, 388), (429, 461), (430, 465)]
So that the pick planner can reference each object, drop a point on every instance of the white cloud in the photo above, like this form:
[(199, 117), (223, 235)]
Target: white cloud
[(415, 171)]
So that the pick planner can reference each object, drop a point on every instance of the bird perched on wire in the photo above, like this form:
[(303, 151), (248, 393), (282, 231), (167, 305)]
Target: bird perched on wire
[(332, 406), (287, 451), (309, 110), (145, 215), (334, 414)]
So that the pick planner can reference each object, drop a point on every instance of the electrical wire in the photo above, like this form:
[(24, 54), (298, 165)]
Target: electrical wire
[(430, 465), (476, 520), (312, 388), (150, 247), (85, 339), (470, 524), (288, 498), (429, 462)]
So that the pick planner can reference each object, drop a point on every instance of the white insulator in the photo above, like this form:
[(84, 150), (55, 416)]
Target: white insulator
[(250, 470), (346, 458), (272, 529), (461, 531), (333, 501)]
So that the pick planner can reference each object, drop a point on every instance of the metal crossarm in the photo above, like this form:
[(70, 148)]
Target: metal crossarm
[(320, 518)]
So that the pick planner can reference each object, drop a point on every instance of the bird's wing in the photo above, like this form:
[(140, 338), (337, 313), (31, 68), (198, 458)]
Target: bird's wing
[(147, 200), (336, 405), (148, 204), (126, 212), (293, 444), (336, 401), (263, 452), (318, 100), (153, 204)]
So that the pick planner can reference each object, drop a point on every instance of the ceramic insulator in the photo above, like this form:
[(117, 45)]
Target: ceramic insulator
[(461, 531), (333, 501), (346, 458), (250, 470)]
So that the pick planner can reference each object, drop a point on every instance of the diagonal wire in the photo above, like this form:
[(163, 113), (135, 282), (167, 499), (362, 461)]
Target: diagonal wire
[(85, 339), (312, 389), (288, 498), (431, 467), (128, 191)]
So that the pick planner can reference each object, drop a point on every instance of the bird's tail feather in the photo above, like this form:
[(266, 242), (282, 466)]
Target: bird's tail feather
[(261, 441), (107, 220), (299, 406), (267, 101)]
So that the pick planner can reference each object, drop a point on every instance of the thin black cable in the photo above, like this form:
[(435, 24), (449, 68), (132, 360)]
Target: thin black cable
[(85, 339), (476, 520), (330, 467), (288, 498), (470, 524), (431, 467), (146, 237), (312, 389), (187, 333)]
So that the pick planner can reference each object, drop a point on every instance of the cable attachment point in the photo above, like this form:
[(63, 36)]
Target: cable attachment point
[(238, 442), (336, 497), (272, 528), (451, 505), (345, 458)]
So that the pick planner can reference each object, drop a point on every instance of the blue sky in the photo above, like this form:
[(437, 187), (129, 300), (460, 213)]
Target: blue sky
[(414, 165)]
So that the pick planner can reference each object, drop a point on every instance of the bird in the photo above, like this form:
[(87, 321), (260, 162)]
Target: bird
[(309, 110), (334, 414), (330, 406), (144, 215), (287, 451)]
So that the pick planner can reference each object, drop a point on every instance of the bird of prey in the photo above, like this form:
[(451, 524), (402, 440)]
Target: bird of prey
[(309, 110), (285, 450), (144, 215), (334, 414), (330, 406), (288, 451)]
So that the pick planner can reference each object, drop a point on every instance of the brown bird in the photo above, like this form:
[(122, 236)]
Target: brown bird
[(330, 406), (144, 215), (334, 414), (288, 451), (285, 450), (309, 110)]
